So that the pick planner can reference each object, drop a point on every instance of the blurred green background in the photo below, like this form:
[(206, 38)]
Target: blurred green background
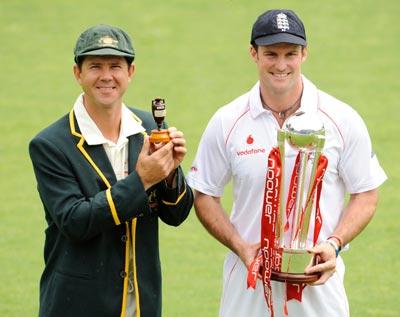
[(195, 54)]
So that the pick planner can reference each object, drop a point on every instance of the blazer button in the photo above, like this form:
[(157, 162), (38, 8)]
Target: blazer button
[(124, 238), (122, 274)]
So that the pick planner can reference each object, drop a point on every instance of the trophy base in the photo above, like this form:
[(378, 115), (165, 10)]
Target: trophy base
[(294, 278), (159, 136), (294, 262)]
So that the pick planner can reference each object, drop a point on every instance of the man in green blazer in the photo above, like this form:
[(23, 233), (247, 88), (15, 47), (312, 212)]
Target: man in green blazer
[(104, 187)]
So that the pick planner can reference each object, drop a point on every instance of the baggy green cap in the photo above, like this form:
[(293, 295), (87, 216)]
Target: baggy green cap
[(104, 40)]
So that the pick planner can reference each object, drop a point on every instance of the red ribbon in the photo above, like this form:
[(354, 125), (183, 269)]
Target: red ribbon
[(270, 257), (321, 168)]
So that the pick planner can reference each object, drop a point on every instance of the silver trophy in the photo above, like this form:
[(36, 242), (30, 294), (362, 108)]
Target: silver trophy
[(303, 137)]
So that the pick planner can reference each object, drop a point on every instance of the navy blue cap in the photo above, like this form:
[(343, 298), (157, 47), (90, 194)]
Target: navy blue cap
[(278, 26)]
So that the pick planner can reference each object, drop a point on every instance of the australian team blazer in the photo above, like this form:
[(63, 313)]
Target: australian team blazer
[(91, 217)]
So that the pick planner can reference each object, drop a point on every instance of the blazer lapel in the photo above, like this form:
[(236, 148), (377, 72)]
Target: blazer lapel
[(95, 154), (135, 146), (99, 157)]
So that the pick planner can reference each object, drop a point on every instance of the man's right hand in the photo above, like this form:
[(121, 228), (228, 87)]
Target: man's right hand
[(154, 166), (248, 252)]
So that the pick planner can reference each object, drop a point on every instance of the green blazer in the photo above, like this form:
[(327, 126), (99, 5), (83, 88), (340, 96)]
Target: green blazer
[(91, 218)]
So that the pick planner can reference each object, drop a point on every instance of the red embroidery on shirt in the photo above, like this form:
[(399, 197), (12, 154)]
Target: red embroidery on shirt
[(250, 152)]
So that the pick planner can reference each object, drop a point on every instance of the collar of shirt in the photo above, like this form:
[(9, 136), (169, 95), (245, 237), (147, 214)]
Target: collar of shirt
[(309, 99), (92, 134)]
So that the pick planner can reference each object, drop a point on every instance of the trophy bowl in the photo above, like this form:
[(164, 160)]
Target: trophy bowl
[(304, 131)]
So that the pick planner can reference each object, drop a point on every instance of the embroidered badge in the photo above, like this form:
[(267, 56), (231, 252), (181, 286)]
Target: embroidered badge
[(282, 22), (108, 41)]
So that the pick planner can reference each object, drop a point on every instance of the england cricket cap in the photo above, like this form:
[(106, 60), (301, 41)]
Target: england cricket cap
[(278, 26), (104, 40)]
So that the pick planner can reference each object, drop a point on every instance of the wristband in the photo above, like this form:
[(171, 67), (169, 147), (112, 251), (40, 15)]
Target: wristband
[(334, 245), (340, 241)]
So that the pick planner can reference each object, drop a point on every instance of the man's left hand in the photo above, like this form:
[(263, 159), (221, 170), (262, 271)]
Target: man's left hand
[(326, 262), (178, 139), (178, 152)]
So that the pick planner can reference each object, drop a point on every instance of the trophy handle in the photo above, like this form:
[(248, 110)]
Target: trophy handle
[(295, 240), (281, 209), (307, 213)]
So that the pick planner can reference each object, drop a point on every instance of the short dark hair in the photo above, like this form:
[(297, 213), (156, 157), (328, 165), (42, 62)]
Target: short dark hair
[(255, 46), (80, 59)]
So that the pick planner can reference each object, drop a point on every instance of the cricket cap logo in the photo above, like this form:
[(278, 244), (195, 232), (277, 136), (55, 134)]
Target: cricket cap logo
[(282, 22), (108, 41)]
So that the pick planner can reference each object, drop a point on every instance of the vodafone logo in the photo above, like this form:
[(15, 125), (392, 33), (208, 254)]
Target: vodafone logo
[(250, 152), (193, 169), (250, 141)]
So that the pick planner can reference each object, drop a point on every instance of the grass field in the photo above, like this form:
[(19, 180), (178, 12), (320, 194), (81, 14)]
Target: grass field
[(195, 54)]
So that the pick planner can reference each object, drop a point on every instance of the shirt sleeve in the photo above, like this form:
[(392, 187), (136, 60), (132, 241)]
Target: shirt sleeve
[(211, 170), (359, 167)]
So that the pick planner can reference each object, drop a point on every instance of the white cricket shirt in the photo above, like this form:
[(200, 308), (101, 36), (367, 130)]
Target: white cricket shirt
[(235, 146)]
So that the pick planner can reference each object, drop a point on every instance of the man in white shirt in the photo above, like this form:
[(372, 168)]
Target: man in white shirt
[(235, 146), (104, 187)]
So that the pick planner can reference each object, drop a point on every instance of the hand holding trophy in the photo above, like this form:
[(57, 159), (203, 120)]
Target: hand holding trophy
[(159, 112)]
